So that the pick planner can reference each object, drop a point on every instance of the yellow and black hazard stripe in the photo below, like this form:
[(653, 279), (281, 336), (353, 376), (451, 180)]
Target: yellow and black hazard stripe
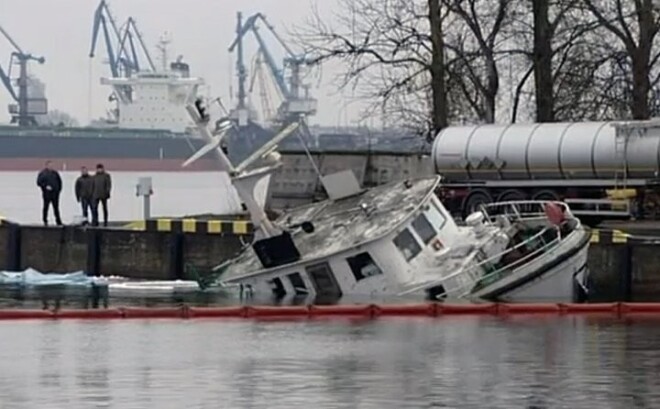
[(609, 236), (235, 227)]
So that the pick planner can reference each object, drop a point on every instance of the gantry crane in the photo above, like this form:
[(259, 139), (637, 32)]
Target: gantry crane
[(295, 104), (122, 44), (26, 108)]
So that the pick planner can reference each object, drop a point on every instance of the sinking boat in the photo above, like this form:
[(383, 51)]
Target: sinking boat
[(399, 240)]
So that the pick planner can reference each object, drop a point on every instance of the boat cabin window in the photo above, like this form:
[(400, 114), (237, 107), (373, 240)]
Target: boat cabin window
[(423, 228), (435, 216), (363, 266), (323, 280), (407, 244), (278, 287), (297, 283)]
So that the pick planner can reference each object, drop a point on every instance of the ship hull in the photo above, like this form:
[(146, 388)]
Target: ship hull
[(110, 163), (25, 151)]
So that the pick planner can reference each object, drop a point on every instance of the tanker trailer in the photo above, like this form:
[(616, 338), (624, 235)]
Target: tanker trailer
[(602, 169)]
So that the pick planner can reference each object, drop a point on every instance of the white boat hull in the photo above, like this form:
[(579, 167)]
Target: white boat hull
[(551, 278)]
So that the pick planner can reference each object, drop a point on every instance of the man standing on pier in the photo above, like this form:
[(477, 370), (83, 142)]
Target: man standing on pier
[(102, 188), (51, 185), (85, 192)]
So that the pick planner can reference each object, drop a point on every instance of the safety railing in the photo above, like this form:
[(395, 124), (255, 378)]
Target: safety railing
[(475, 277), (522, 209)]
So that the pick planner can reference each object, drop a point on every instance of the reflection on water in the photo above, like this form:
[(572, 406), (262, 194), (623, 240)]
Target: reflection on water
[(84, 297), (464, 362)]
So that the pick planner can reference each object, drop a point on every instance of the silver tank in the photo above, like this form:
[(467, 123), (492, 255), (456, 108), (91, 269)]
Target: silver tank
[(584, 150)]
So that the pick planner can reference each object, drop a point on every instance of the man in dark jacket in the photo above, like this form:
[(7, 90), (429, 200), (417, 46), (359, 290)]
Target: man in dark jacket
[(51, 185), (102, 188), (85, 192)]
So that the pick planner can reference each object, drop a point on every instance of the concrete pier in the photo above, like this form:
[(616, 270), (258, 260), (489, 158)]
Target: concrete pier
[(158, 251)]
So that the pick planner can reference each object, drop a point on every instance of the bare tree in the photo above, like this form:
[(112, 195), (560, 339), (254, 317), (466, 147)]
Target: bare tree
[(393, 55), (476, 50), (635, 25), (557, 44)]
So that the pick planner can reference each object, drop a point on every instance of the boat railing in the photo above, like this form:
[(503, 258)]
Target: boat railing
[(493, 267), (521, 210)]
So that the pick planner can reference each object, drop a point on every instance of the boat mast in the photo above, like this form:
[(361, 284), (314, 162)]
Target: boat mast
[(243, 180)]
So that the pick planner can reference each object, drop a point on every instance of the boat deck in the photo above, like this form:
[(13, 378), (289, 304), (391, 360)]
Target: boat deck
[(343, 224)]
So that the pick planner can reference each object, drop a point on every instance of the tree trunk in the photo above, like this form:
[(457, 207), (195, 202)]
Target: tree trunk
[(641, 84), (542, 62), (641, 59), (438, 89), (492, 87)]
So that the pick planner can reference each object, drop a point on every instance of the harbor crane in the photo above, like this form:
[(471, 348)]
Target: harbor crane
[(296, 104), (26, 108), (123, 44)]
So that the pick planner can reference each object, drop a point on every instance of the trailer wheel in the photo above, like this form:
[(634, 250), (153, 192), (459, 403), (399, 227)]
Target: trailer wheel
[(473, 200), (511, 195), (549, 195)]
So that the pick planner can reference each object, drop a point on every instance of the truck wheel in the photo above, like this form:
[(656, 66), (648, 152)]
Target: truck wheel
[(511, 195), (473, 200), (549, 195)]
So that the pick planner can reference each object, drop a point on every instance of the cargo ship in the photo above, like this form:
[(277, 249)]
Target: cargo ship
[(149, 132)]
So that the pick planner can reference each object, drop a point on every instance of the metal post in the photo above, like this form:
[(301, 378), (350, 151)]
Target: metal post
[(144, 189), (146, 207)]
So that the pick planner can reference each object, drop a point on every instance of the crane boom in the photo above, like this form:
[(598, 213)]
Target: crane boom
[(119, 42), (250, 26), (23, 112), (6, 81), (294, 105), (11, 40)]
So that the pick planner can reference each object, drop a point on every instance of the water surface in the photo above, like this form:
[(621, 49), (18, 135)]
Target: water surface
[(462, 362)]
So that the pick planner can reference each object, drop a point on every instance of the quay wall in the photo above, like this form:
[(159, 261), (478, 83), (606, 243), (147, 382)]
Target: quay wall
[(152, 255)]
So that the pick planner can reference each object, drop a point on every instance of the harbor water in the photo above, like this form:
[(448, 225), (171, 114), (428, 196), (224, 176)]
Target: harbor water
[(462, 362), (175, 194)]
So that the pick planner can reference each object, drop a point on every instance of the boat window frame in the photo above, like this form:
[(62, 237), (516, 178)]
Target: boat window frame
[(279, 290), (357, 274), (297, 289), (433, 204), (415, 252), (311, 271), (425, 239)]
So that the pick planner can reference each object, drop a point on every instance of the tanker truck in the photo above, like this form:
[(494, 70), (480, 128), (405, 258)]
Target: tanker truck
[(601, 169)]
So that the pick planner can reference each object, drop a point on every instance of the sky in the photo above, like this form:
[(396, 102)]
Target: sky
[(200, 30)]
